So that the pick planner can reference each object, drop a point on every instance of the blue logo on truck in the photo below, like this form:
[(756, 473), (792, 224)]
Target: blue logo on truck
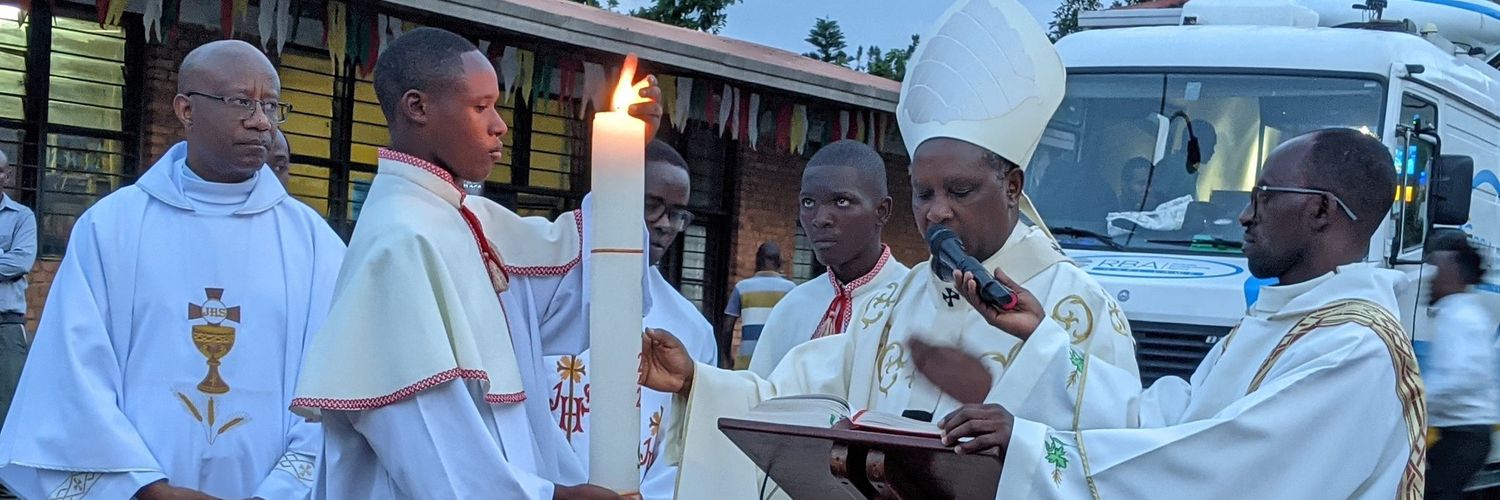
[(1156, 267)]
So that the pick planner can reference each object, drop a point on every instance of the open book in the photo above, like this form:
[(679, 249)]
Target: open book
[(826, 410)]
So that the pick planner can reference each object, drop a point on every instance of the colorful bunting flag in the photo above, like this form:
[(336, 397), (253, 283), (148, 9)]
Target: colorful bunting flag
[(542, 89), (744, 127), (226, 16), (726, 97), (241, 9), (151, 20), (170, 10), (711, 108), (283, 24), (784, 123), (684, 102), (570, 67), (510, 68), (371, 23), (668, 84), (336, 33), (383, 23), (702, 98), (116, 11), (363, 39), (593, 87), (839, 127), (607, 91), (265, 22), (800, 125), (527, 61), (734, 114), (754, 125)]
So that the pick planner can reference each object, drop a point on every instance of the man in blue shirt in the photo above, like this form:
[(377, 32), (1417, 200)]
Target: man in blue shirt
[(18, 244)]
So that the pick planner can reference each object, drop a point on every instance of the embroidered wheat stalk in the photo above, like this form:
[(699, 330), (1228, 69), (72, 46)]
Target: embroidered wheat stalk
[(230, 425), (210, 412), (191, 407), (1077, 361)]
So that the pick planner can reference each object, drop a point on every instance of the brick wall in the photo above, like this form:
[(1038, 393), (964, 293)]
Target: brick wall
[(766, 209), (37, 285), (161, 129)]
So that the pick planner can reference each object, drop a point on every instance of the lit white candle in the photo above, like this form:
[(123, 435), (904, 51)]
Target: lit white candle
[(619, 186)]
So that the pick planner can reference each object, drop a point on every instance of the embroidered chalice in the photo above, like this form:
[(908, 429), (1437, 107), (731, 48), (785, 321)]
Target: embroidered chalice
[(213, 340)]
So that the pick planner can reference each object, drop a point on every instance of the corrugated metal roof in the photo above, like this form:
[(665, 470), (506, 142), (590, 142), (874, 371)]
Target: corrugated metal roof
[(573, 23)]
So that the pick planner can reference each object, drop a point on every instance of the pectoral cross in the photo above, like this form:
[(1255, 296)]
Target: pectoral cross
[(949, 295)]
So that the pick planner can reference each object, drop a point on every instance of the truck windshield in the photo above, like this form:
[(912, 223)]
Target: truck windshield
[(1118, 168)]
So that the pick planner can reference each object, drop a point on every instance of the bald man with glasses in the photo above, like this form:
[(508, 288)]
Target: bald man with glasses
[(165, 363)]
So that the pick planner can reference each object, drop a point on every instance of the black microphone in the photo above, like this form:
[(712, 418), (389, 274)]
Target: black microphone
[(948, 254)]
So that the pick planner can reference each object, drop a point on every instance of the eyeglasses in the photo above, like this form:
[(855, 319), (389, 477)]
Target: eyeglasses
[(1259, 191), (275, 111), (656, 208)]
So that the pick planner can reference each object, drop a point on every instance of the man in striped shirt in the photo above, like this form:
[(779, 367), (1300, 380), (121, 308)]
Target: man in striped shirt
[(751, 303)]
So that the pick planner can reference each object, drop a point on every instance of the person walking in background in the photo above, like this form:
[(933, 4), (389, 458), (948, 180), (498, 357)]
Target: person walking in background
[(1463, 393), (751, 303)]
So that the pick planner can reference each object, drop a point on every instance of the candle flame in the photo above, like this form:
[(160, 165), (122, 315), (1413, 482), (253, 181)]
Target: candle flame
[(626, 93)]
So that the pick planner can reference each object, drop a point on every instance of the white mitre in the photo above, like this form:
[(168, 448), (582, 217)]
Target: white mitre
[(987, 75)]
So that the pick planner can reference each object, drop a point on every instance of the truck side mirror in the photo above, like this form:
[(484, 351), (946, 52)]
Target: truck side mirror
[(1451, 190)]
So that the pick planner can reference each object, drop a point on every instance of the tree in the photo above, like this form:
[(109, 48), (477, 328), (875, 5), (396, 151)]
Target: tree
[(1065, 18), (828, 43), (891, 64), (607, 5), (829, 46), (701, 15)]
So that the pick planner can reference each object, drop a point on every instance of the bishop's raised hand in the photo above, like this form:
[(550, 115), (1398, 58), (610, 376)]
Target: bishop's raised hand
[(957, 373), (665, 363)]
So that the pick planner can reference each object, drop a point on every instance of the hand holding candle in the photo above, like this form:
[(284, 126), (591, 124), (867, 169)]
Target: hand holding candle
[(650, 111)]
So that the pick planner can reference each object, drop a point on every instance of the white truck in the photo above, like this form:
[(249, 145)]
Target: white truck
[(1170, 112)]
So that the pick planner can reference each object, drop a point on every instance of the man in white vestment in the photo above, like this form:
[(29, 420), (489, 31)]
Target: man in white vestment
[(668, 186), (176, 325), (1314, 394), (966, 174), (845, 205), (428, 376)]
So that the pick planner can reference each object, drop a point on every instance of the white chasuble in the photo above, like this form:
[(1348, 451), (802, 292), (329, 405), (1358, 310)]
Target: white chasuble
[(570, 399), (429, 384), (1314, 395), (171, 343), (871, 367), (818, 308)]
